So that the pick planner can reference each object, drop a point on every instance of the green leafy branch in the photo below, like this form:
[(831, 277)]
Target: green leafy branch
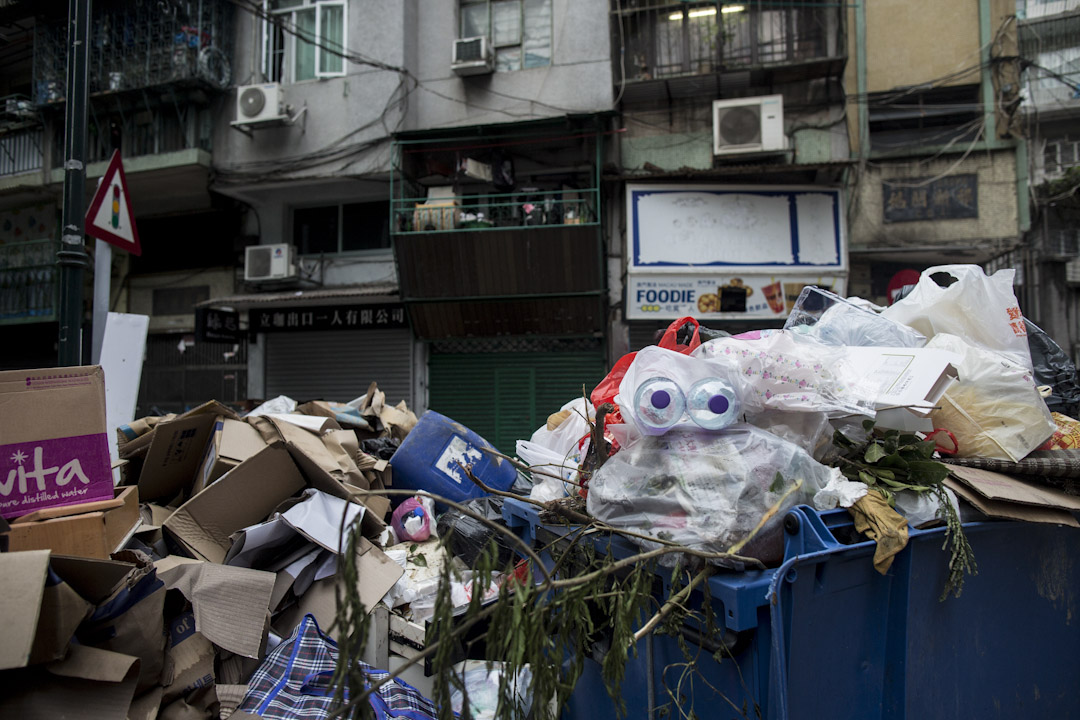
[(889, 461)]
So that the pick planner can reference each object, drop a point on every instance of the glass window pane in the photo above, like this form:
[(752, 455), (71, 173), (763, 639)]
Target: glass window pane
[(537, 42), (365, 226), (508, 59), (474, 20), (315, 230), (506, 22), (332, 21), (304, 68)]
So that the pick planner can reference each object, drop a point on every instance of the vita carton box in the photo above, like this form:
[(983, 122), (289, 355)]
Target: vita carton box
[(53, 442)]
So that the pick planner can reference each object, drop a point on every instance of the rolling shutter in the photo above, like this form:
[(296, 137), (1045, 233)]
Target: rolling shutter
[(339, 364), (505, 396)]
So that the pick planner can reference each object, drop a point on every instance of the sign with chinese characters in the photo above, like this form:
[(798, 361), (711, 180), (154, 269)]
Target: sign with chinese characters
[(949, 198), (328, 317), (719, 297), (213, 325)]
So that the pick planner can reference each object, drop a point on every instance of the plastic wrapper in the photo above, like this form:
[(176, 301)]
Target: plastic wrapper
[(679, 377), (704, 490), (1054, 368), (414, 520), (467, 537), (995, 411), (481, 680), (833, 320), (962, 300), (796, 373)]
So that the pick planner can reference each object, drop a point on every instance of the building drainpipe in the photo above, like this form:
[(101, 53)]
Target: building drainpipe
[(860, 78)]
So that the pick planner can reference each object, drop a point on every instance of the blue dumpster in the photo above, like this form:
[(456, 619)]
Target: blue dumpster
[(824, 635)]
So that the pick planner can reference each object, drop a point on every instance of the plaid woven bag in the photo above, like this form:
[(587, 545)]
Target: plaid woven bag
[(293, 683)]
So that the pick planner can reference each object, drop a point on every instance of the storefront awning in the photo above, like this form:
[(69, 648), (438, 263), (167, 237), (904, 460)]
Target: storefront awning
[(318, 296)]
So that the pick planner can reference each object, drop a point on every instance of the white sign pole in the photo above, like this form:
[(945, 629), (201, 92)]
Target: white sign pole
[(102, 281)]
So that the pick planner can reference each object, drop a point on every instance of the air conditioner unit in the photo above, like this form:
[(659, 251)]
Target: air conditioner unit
[(269, 262), (257, 104), (472, 56), (749, 125)]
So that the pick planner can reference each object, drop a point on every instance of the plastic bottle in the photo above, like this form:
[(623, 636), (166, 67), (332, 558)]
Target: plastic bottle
[(658, 405), (713, 404)]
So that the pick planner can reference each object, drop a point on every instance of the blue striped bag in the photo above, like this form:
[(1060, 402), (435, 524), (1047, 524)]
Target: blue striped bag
[(293, 683)]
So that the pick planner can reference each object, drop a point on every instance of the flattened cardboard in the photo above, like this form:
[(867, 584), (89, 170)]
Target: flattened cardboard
[(191, 656), (376, 574), (173, 451), (85, 534), (55, 448), (231, 443), (245, 496), (324, 469), (1010, 510), (230, 605), (89, 684), (998, 486), (21, 593)]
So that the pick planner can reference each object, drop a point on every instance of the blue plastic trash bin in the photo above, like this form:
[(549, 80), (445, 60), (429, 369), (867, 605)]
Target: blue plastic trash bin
[(433, 454)]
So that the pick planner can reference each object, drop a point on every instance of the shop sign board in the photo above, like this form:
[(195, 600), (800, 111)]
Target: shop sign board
[(708, 296), (328, 317)]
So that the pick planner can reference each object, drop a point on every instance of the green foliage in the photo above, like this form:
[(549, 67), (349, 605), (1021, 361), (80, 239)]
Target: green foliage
[(889, 461)]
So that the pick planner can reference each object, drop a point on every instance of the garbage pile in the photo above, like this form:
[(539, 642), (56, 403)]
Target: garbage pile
[(188, 588)]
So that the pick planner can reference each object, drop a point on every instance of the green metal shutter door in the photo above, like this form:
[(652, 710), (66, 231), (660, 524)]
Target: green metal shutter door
[(505, 397), (339, 364)]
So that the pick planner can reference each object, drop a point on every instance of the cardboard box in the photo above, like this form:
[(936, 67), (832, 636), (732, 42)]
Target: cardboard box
[(171, 453), (1004, 496), (92, 530), (231, 443), (909, 382), (55, 447), (242, 497)]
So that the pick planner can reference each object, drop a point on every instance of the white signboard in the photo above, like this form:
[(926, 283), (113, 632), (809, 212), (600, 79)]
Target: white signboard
[(715, 296), (688, 228)]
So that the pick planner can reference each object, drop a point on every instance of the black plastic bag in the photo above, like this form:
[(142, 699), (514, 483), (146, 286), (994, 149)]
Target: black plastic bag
[(1053, 367), (467, 537)]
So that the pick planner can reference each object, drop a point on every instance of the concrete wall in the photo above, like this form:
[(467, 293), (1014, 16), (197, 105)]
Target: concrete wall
[(995, 230), (353, 114), (579, 78)]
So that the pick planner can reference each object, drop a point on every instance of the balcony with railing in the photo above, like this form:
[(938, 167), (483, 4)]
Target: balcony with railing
[(28, 281), (497, 221), (678, 49)]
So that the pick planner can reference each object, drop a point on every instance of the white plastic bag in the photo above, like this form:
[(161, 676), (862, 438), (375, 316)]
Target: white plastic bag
[(995, 411), (558, 452), (703, 489), (482, 680), (982, 310)]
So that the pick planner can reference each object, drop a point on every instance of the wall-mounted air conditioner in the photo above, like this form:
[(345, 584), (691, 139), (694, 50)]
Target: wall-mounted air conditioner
[(269, 262), (749, 125), (259, 104), (472, 56)]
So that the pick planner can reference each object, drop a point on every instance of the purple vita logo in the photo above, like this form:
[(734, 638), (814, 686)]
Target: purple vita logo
[(20, 477)]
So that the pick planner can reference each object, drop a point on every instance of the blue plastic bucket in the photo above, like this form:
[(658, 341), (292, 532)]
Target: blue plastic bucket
[(433, 453)]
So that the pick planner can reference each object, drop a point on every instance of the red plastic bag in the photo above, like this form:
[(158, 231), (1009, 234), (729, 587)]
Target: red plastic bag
[(609, 386)]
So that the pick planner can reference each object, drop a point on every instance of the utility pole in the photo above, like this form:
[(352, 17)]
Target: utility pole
[(72, 257)]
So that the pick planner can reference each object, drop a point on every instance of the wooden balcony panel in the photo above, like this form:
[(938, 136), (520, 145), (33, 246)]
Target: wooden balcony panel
[(548, 316), (499, 263)]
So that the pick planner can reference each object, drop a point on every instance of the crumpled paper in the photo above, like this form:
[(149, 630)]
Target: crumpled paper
[(839, 492)]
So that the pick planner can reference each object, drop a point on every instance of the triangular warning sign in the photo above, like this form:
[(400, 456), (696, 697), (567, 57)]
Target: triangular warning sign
[(110, 217)]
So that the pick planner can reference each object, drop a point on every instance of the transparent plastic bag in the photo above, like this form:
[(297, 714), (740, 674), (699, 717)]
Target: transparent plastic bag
[(703, 489), (796, 373), (833, 320)]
